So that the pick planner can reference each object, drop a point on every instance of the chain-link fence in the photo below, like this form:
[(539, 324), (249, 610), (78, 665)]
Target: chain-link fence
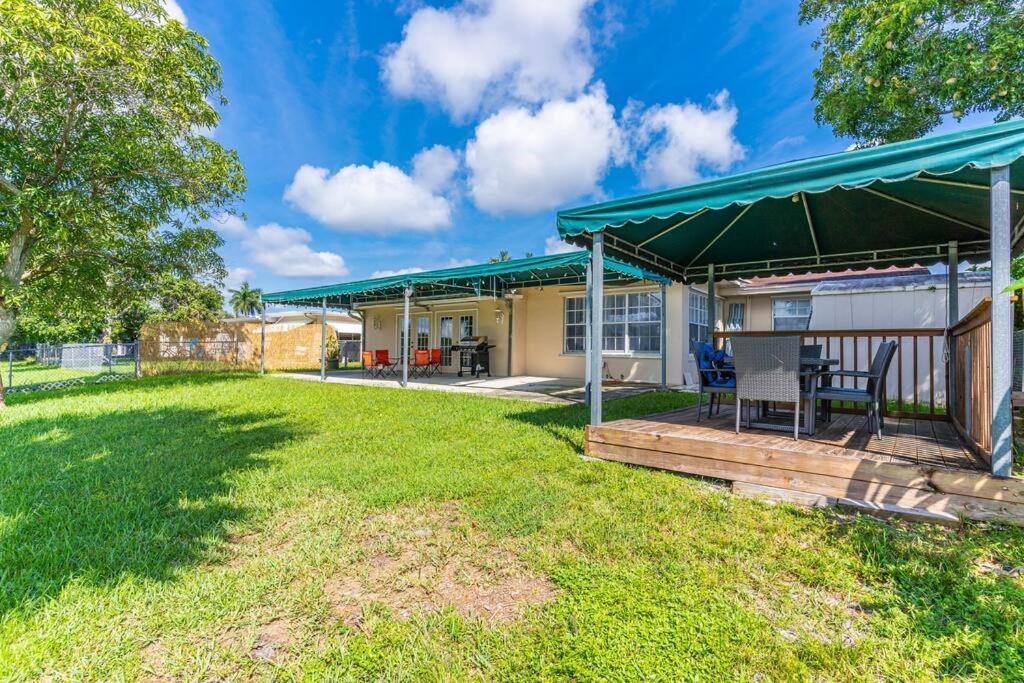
[(51, 366)]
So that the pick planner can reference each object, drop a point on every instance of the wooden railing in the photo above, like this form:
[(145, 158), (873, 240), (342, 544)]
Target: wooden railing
[(915, 385), (970, 343)]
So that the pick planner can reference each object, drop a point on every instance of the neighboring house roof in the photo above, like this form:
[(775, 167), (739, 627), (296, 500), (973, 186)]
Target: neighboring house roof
[(805, 282), (903, 282), (340, 322), (814, 278)]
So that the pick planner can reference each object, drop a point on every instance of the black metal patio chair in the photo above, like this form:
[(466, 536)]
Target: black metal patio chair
[(872, 395)]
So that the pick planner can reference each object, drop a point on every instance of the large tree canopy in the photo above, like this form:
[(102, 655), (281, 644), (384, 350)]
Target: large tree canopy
[(891, 69), (106, 171)]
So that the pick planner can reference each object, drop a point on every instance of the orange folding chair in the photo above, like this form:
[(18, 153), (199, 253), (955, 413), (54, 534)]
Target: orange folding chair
[(370, 367), (420, 364), (384, 363), (435, 361)]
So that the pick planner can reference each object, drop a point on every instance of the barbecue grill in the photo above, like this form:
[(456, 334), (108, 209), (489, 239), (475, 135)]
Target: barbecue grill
[(474, 355)]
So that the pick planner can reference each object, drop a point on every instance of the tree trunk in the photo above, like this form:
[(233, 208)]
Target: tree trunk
[(6, 331)]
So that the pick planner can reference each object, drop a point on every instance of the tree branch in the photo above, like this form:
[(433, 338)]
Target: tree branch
[(6, 186)]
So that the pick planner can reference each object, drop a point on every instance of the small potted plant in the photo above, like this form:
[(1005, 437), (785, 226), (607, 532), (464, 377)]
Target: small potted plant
[(332, 352)]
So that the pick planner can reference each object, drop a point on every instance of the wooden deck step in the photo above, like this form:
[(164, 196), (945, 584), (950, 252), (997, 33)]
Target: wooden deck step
[(914, 469)]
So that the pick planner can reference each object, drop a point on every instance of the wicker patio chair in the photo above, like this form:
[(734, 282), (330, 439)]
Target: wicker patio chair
[(873, 392), (768, 369), (715, 375)]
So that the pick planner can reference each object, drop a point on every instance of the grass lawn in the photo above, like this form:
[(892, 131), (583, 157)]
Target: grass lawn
[(236, 527)]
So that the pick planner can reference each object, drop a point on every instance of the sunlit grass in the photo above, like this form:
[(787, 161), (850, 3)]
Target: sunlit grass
[(176, 527)]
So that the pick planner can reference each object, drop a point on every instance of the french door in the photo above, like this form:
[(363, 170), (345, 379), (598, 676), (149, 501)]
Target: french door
[(420, 324), (451, 327)]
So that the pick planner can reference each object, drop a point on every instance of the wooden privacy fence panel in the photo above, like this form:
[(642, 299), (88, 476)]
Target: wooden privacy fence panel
[(168, 347), (916, 382), (971, 378)]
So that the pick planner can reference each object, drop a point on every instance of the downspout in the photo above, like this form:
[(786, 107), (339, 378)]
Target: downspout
[(362, 334)]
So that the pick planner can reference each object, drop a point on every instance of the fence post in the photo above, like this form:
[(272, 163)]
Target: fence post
[(10, 368), (138, 358)]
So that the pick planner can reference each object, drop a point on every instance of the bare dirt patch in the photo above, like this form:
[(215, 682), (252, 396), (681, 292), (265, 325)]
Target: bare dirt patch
[(267, 643), (154, 662), (272, 641), (424, 560), (824, 616)]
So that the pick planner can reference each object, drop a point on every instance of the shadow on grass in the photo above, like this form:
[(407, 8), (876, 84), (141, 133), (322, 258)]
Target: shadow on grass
[(566, 422), (940, 591), (97, 498)]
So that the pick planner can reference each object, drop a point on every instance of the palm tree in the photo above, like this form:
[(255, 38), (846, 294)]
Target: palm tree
[(246, 300)]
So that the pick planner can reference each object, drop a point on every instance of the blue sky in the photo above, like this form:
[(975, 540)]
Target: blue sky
[(383, 135)]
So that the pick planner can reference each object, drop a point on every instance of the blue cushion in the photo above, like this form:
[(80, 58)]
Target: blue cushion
[(724, 383)]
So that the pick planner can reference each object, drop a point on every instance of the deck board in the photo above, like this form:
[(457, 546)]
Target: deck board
[(917, 464), (930, 443)]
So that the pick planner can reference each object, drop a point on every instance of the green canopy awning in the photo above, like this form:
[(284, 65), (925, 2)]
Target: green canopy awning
[(484, 279), (885, 205)]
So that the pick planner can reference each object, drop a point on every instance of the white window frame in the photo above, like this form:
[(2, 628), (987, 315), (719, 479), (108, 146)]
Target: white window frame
[(742, 307), (626, 351), (690, 310), (810, 309)]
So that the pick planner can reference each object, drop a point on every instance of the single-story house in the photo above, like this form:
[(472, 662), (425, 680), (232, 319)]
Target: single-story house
[(538, 330)]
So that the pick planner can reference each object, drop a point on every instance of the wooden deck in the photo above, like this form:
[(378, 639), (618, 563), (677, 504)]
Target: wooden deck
[(919, 465)]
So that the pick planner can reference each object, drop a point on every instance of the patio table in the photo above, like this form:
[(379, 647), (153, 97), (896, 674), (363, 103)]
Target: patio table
[(811, 369)]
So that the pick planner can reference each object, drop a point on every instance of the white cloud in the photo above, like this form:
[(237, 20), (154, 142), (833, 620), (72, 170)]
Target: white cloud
[(482, 52), (789, 141), (452, 263), (229, 225), (433, 168), (392, 273), (554, 245), (682, 141), (286, 252), (521, 161), (236, 276), (379, 198), (174, 11)]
